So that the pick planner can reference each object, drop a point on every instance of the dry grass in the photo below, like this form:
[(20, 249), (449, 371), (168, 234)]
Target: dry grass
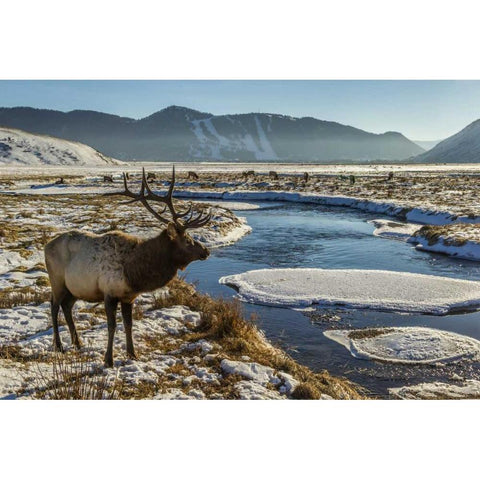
[(74, 378), (368, 333), (12, 297), (456, 234), (223, 322)]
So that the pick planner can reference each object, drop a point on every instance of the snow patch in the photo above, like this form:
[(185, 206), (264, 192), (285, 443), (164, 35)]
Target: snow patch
[(23, 321), (417, 345), (24, 148), (394, 230), (373, 289), (435, 390)]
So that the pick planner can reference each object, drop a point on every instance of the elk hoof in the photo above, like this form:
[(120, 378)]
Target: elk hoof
[(58, 348), (132, 356)]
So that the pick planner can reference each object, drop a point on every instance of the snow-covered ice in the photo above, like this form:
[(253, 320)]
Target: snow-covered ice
[(407, 345), (394, 230), (373, 289), (436, 390)]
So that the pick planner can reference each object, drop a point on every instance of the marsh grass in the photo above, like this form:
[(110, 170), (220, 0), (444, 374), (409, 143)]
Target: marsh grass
[(223, 321)]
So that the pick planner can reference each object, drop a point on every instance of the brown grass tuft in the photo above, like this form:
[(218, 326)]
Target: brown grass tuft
[(306, 391), (74, 378)]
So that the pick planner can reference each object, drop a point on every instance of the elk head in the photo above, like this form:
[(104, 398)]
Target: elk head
[(183, 248)]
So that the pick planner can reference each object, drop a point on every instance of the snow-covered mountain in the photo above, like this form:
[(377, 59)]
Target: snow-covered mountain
[(463, 147), (179, 133), (22, 148)]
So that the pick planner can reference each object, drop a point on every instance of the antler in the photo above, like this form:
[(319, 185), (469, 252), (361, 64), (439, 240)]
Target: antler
[(143, 198)]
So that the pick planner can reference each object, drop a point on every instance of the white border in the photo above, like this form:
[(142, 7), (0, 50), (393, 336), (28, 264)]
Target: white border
[(223, 40)]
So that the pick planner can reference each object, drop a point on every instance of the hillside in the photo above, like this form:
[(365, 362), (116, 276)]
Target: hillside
[(463, 147), (179, 133), (18, 147)]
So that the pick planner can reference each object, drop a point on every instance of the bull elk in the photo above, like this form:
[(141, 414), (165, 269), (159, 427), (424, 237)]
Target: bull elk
[(116, 267)]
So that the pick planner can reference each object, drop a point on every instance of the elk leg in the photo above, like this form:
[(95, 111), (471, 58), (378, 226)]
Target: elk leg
[(127, 323), (67, 304), (111, 311), (57, 343)]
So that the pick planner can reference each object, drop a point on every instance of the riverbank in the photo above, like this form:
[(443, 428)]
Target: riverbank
[(189, 346)]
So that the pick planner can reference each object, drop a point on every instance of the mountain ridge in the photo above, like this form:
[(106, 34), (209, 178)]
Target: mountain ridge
[(182, 133), (461, 147)]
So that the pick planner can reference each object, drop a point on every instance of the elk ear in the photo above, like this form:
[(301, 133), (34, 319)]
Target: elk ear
[(172, 231)]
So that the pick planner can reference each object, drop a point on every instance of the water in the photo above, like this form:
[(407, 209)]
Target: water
[(293, 235)]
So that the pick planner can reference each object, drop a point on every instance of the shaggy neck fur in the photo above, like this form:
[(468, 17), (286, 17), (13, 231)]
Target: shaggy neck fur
[(151, 265)]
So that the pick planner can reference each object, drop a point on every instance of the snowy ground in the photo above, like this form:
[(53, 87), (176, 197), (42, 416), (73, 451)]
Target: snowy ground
[(28, 222), (373, 289), (179, 370), (416, 345), (461, 240)]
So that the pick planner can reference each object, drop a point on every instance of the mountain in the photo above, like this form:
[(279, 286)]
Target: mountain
[(179, 133), (426, 144), (463, 147), (22, 148)]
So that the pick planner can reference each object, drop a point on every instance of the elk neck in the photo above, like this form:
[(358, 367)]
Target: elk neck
[(150, 265)]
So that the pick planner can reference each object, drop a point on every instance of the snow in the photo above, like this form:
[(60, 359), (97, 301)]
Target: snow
[(214, 147), (214, 239), (251, 371), (235, 206), (22, 321), (435, 390), (267, 151), (469, 250), (414, 215), (9, 260), (250, 390), (416, 345), (373, 289), (258, 375), (23, 148), (394, 230)]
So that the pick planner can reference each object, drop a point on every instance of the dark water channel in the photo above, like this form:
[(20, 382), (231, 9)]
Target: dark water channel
[(294, 235)]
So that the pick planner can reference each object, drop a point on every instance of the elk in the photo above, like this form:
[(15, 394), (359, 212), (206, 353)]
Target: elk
[(306, 176), (107, 179), (273, 175), (192, 175), (116, 267), (151, 176)]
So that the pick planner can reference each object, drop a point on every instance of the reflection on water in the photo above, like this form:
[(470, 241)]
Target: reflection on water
[(333, 237)]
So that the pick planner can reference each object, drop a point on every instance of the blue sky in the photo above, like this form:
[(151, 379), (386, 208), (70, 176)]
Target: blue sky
[(421, 110)]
